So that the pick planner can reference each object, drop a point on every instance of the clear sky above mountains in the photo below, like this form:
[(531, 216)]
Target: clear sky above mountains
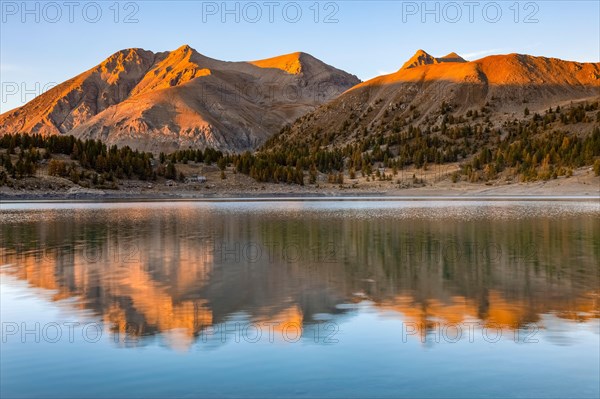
[(45, 43)]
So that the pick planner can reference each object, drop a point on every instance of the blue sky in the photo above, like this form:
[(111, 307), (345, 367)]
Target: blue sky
[(45, 43)]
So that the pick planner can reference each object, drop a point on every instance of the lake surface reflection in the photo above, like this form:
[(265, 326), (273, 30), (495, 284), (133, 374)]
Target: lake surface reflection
[(301, 299)]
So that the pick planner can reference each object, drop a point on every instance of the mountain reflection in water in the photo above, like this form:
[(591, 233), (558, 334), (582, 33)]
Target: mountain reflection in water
[(152, 269)]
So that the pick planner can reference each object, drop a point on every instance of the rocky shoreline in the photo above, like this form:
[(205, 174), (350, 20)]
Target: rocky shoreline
[(583, 184), (521, 192)]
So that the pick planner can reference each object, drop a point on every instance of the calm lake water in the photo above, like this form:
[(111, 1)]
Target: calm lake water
[(301, 299)]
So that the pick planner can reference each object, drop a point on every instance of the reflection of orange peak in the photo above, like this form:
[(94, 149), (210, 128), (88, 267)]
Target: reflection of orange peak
[(500, 312), (290, 317)]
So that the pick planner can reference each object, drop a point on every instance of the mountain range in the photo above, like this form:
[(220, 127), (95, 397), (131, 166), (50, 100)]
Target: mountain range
[(180, 99), (426, 89)]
